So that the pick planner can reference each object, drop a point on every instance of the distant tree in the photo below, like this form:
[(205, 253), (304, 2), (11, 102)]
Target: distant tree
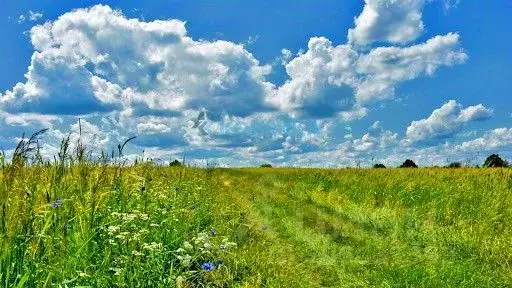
[(494, 161), (409, 164), (266, 165), (175, 163), (379, 165), (454, 165)]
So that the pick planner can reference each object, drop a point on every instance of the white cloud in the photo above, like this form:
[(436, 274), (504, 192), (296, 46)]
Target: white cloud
[(494, 139), (31, 16), (97, 60), (450, 4), (328, 79), (446, 121), (394, 21)]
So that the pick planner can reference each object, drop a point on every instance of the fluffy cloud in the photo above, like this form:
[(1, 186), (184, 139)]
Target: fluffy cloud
[(494, 139), (445, 121), (328, 79), (394, 21), (127, 77), (97, 60)]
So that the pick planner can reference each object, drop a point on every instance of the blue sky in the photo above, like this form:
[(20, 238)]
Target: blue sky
[(321, 83)]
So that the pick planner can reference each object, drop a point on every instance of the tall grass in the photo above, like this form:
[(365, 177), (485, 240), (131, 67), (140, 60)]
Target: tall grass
[(77, 222)]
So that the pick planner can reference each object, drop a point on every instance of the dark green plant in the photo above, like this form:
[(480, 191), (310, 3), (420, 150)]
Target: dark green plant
[(266, 165), (454, 165), (408, 164), (495, 161), (379, 165), (175, 163)]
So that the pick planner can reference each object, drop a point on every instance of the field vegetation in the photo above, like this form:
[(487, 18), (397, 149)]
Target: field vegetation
[(74, 222)]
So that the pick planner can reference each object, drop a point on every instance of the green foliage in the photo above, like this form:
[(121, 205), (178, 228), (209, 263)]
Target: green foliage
[(379, 166), (454, 165), (266, 165), (175, 163), (99, 224), (495, 161), (408, 164)]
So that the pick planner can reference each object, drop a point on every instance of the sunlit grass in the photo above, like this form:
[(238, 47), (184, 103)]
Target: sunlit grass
[(98, 224)]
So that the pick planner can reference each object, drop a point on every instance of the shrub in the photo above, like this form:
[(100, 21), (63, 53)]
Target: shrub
[(379, 165), (494, 161), (454, 165), (175, 163), (266, 165), (409, 164)]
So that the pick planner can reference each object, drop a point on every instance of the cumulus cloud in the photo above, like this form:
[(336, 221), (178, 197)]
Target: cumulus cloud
[(445, 121), (494, 139), (97, 60), (393, 21), (126, 77), (328, 79)]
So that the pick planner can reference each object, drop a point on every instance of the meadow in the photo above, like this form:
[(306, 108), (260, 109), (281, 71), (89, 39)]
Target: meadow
[(97, 224)]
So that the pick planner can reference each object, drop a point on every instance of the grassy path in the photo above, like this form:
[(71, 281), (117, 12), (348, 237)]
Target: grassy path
[(316, 234)]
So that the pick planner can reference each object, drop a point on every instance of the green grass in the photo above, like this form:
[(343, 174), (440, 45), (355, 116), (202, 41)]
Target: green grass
[(136, 226)]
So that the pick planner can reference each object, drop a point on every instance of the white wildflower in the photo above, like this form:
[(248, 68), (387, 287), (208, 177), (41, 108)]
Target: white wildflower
[(187, 245), (185, 260), (113, 230)]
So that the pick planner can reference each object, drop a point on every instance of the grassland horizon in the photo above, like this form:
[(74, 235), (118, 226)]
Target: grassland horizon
[(79, 223)]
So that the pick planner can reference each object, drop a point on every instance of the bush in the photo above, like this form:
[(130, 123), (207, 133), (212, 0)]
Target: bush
[(454, 165), (409, 164), (379, 165), (175, 163), (266, 166), (494, 161)]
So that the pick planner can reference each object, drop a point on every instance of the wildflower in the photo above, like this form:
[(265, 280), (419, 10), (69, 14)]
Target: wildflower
[(185, 260), (187, 245), (144, 217), (112, 230), (227, 245), (207, 246), (213, 232), (117, 271), (194, 206), (57, 203), (152, 247), (137, 253), (180, 250), (219, 262), (208, 266)]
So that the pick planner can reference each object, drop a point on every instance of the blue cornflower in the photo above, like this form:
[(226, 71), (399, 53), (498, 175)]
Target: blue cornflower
[(57, 203), (208, 266), (213, 232)]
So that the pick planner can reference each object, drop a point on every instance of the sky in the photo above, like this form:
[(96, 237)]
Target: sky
[(319, 83)]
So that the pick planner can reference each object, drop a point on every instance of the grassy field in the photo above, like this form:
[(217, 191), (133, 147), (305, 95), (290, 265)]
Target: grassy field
[(93, 225)]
